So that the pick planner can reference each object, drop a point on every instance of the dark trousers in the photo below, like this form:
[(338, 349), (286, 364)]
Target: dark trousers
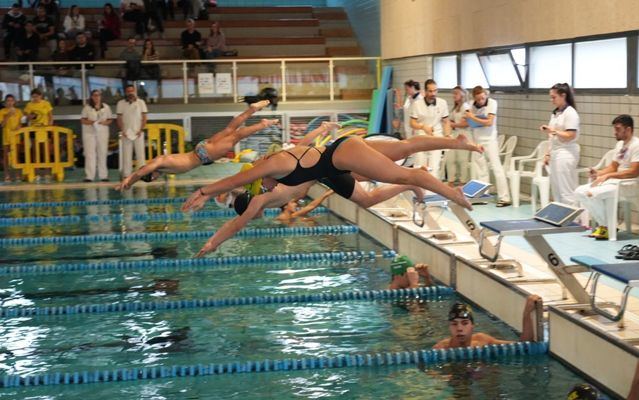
[(9, 40), (155, 15), (105, 36), (139, 18)]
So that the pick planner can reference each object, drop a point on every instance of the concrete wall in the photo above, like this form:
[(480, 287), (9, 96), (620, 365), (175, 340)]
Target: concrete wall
[(416, 27)]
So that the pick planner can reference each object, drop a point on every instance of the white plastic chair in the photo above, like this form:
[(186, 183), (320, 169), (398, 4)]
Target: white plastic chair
[(626, 193), (500, 142), (506, 151), (517, 170)]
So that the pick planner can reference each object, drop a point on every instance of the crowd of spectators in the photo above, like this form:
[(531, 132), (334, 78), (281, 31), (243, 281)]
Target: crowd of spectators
[(24, 38)]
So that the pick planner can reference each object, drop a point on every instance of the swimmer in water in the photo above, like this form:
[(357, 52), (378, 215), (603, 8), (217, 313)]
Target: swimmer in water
[(461, 324), (406, 275), (583, 391)]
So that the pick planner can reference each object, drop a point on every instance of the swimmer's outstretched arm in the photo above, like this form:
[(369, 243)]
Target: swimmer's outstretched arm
[(324, 128), (266, 168), (168, 163), (312, 205), (278, 197)]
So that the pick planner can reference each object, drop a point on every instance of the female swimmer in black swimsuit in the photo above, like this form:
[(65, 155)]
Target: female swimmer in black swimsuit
[(333, 163)]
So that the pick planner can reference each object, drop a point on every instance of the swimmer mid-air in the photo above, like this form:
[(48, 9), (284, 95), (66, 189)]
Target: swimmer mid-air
[(205, 152)]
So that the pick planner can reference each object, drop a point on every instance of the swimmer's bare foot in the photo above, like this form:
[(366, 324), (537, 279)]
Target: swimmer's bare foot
[(419, 193), (269, 122), (461, 199), (329, 126), (260, 104), (464, 144)]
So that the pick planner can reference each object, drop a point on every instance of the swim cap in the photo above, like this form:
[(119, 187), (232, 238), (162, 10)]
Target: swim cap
[(255, 187), (583, 391), (400, 264), (461, 310), (241, 202), (227, 202)]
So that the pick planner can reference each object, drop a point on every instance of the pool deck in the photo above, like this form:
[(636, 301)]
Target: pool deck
[(586, 341)]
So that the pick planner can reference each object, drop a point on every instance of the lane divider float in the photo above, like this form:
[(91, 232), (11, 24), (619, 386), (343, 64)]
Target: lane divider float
[(170, 263), (424, 357), (430, 292), (246, 233)]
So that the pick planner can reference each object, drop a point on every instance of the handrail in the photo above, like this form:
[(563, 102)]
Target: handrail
[(84, 66), (229, 61)]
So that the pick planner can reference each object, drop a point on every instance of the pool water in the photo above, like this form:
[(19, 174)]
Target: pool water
[(45, 344)]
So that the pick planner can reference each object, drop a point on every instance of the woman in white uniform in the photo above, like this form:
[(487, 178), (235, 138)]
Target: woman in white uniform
[(483, 114), (563, 154), (96, 118), (413, 94), (457, 161)]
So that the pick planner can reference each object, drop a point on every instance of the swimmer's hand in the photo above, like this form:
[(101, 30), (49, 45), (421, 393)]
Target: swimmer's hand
[(259, 105), (195, 201), (419, 193), (531, 303), (206, 249), (125, 184)]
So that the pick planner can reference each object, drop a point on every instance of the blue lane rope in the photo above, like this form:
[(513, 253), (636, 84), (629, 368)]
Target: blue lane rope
[(113, 202), (188, 304), (384, 359), (179, 216), (246, 233), (41, 269)]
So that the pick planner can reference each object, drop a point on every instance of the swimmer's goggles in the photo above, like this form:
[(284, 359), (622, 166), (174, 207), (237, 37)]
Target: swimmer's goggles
[(461, 311)]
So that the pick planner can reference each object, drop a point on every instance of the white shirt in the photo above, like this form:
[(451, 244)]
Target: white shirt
[(408, 110), (486, 132), (131, 116), (431, 114), (564, 120), (74, 23), (458, 116), (626, 155), (100, 115)]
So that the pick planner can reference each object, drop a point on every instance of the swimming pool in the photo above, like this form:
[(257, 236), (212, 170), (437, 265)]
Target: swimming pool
[(46, 344)]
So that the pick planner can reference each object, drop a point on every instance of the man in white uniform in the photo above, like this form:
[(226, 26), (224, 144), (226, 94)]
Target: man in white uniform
[(597, 196), (413, 95), (131, 122), (430, 117), (483, 115)]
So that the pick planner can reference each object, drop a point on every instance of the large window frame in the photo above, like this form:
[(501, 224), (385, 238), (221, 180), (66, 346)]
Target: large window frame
[(632, 84)]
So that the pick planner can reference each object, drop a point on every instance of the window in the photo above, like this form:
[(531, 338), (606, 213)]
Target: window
[(601, 64), (445, 71), (519, 55), (550, 65), (471, 72), (500, 69)]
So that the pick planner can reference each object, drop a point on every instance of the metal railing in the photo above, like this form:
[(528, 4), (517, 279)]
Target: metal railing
[(27, 72)]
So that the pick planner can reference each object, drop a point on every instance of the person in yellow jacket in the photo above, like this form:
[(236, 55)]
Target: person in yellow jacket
[(39, 112), (10, 120)]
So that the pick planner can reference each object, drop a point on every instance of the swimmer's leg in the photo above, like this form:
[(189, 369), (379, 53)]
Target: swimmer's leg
[(377, 195), (378, 167), (404, 148)]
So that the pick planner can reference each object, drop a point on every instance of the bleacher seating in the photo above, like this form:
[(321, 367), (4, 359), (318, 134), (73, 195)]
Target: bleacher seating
[(256, 32)]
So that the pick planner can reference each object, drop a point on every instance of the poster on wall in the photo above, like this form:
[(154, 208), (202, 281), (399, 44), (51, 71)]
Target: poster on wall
[(205, 83), (223, 83)]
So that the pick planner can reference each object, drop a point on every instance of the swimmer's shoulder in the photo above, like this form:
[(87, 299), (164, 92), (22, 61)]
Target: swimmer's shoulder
[(442, 344)]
